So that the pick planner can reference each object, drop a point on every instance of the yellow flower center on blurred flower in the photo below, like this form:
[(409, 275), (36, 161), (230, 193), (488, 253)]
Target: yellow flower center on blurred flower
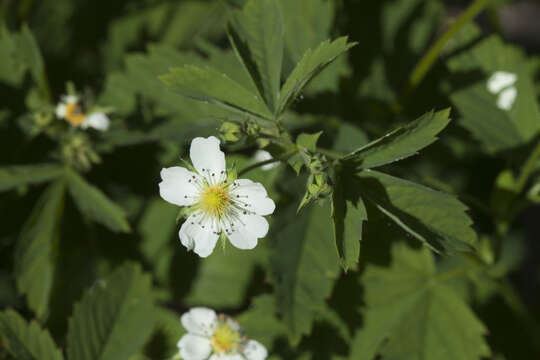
[(215, 200), (74, 114), (225, 339)]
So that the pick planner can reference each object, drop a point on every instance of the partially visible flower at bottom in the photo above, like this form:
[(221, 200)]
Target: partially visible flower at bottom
[(216, 337), (70, 110)]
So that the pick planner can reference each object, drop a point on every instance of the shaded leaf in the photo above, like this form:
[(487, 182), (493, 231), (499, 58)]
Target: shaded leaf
[(114, 318), (304, 269), (27, 341), (13, 176), (308, 141), (348, 215), (312, 63), (402, 142), (96, 205), (256, 34), (260, 321), (34, 261), (433, 217), (411, 313)]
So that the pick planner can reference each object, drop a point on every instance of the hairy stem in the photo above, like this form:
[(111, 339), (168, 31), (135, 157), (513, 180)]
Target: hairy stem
[(284, 157), (528, 169)]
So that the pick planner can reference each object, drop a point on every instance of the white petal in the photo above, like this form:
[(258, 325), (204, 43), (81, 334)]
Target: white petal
[(97, 120), (61, 110), (226, 357), (70, 99), (194, 347), (207, 158), (200, 321), (254, 195), (177, 186), (500, 80), (200, 238), (506, 98), (262, 155), (247, 230), (254, 350)]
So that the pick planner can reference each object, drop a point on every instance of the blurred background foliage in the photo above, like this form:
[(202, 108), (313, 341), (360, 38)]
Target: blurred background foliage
[(114, 51)]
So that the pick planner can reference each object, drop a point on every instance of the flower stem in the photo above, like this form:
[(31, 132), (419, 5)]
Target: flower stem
[(527, 169), (427, 61), (283, 157)]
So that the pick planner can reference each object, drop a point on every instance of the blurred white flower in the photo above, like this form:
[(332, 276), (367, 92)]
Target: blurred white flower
[(70, 110), (502, 83), (263, 155), (218, 205), (506, 98), (500, 80), (216, 337)]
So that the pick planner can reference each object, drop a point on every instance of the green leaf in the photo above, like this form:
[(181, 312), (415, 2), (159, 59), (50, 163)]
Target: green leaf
[(308, 141), (96, 205), (400, 143), (312, 63), (348, 215), (27, 341), (157, 227), (227, 273), (433, 217), (209, 85), (496, 128), (29, 52), (34, 261), (304, 269), (411, 313), (168, 330), (260, 321), (256, 34), (13, 176), (114, 318), (349, 138)]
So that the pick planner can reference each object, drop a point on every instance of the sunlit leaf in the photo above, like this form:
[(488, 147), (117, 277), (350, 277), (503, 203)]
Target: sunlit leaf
[(433, 217), (411, 313), (400, 143), (256, 33), (114, 318)]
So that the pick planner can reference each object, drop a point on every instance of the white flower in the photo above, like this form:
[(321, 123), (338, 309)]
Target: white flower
[(506, 98), (69, 109), (217, 205), (96, 120), (263, 155), (502, 83), (213, 337), (500, 80)]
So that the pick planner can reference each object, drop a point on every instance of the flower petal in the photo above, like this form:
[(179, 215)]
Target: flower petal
[(97, 120), (194, 347), (199, 237), (247, 230), (500, 80), (200, 321), (263, 155), (177, 186), (226, 357), (207, 158), (254, 350), (506, 98), (61, 110), (254, 196)]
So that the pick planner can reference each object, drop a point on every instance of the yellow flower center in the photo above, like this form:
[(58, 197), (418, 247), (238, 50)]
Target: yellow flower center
[(225, 339), (215, 200), (74, 114)]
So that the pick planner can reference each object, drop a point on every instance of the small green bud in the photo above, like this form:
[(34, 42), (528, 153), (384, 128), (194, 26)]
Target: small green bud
[(230, 131)]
